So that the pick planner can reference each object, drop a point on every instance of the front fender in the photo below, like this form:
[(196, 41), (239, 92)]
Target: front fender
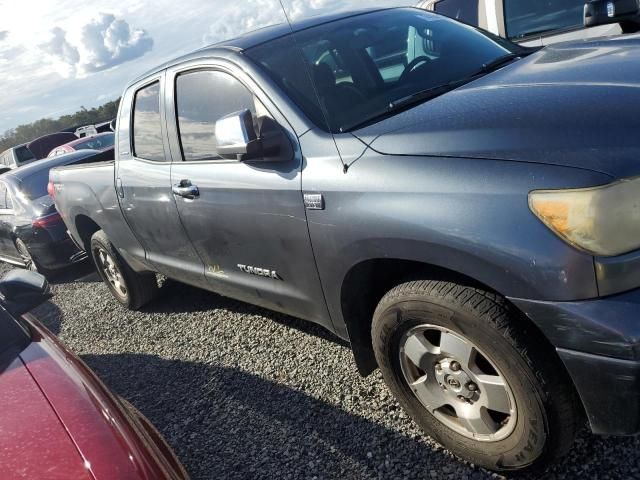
[(469, 216)]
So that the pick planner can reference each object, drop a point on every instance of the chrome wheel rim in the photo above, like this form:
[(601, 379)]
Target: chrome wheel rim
[(457, 383), (111, 272)]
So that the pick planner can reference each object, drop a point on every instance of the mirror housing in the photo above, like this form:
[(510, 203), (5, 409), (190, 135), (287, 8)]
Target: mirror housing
[(603, 12), (241, 137), (23, 290)]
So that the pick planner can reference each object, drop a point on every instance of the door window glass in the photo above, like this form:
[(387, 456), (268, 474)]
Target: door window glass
[(147, 129), (536, 17), (202, 98), (463, 10)]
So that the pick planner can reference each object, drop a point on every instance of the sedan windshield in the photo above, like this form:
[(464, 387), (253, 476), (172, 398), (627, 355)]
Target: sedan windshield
[(365, 66)]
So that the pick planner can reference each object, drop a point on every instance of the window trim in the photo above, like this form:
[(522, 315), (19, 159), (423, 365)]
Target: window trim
[(147, 83), (195, 69)]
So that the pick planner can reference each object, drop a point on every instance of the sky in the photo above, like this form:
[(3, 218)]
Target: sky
[(56, 56)]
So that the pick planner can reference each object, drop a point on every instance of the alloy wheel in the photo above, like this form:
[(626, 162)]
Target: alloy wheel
[(111, 272), (457, 383)]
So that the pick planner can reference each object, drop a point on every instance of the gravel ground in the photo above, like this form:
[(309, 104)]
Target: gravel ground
[(242, 393)]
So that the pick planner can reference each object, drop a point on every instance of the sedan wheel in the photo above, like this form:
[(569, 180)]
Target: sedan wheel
[(27, 259)]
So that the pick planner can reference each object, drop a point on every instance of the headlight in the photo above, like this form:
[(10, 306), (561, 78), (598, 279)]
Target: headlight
[(601, 220)]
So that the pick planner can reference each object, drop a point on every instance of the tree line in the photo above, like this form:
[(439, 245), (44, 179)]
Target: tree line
[(31, 131)]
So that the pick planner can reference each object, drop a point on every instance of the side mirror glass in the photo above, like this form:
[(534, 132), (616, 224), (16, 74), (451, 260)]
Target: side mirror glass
[(603, 12), (23, 290), (241, 137)]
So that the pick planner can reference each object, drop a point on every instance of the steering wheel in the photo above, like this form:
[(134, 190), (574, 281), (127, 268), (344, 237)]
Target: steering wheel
[(412, 65)]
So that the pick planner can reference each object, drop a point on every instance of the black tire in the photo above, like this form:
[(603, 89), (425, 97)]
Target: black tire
[(547, 413), (133, 290)]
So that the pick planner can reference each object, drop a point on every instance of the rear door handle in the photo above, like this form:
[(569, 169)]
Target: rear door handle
[(186, 190)]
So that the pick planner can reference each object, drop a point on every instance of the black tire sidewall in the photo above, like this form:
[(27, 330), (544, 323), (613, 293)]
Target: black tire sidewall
[(526, 444)]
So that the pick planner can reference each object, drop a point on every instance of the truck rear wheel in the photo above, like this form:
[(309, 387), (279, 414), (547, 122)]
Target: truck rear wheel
[(131, 289), (471, 378)]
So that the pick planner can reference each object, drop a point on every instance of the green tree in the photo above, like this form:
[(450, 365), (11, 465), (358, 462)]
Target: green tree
[(44, 126)]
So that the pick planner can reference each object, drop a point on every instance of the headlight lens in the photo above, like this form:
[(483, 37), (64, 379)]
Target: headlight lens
[(602, 220)]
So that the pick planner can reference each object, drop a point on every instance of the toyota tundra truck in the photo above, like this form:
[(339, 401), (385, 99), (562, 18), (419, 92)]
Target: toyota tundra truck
[(466, 214)]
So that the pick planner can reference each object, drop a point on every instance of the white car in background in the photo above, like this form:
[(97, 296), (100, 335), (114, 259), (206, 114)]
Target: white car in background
[(535, 23)]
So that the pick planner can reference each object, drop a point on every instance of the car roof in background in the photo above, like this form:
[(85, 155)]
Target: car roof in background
[(88, 137), (260, 36), (48, 163)]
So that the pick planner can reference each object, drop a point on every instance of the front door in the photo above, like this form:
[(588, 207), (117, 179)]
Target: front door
[(248, 222), (143, 184)]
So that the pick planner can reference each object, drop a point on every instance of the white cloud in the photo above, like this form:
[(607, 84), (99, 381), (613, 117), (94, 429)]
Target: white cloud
[(60, 49), (104, 43), (113, 48)]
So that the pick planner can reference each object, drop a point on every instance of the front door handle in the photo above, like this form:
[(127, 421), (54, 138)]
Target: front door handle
[(186, 189)]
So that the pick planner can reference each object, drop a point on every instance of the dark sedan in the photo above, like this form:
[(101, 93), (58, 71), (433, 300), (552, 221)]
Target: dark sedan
[(58, 421), (32, 234)]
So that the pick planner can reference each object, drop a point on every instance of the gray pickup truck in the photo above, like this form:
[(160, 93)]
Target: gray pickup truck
[(466, 214)]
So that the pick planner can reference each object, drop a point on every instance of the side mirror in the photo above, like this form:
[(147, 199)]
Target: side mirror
[(603, 12), (23, 290), (239, 137)]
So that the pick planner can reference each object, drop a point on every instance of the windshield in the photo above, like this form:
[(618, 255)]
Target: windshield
[(362, 64), (96, 143), (539, 16)]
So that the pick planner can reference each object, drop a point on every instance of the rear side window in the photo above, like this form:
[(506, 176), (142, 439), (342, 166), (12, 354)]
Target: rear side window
[(23, 154), (147, 129), (202, 98), (463, 10), (536, 17)]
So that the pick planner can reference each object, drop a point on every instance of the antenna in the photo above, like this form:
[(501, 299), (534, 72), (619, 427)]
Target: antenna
[(345, 167)]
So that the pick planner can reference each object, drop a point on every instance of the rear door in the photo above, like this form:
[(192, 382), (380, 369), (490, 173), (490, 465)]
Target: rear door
[(143, 184), (248, 223)]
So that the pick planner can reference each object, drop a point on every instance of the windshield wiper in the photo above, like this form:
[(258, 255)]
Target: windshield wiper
[(433, 92), (498, 62), (401, 103)]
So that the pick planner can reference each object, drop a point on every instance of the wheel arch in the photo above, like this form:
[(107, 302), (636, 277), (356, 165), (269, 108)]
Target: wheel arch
[(85, 227), (375, 277)]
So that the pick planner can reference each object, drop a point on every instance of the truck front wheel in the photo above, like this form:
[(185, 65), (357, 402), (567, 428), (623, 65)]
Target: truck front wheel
[(131, 289), (472, 377)]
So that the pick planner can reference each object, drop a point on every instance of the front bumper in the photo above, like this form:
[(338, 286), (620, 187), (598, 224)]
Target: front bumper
[(599, 343)]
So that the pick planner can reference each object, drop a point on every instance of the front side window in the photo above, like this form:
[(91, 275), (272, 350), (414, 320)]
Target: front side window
[(464, 10), (202, 98), (363, 64), (147, 127), (536, 17)]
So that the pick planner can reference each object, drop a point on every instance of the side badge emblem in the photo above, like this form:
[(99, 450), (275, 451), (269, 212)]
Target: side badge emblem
[(313, 201)]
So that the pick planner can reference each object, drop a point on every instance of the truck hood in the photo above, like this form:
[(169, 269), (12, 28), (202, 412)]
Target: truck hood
[(573, 104)]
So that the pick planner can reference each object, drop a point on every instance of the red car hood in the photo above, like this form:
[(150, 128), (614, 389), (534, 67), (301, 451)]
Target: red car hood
[(58, 421), (33, 441)]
